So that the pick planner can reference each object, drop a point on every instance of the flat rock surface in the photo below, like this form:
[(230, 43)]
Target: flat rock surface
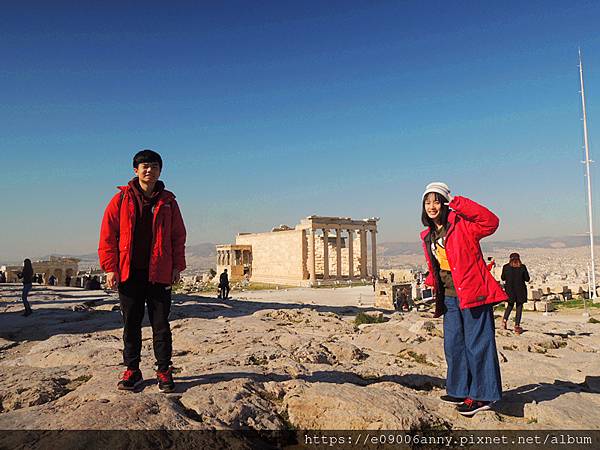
[(280, 359)]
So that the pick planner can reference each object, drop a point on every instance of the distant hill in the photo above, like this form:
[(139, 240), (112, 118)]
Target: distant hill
[(202, 256), (411, 248), (204, 249), (399, 248), (545, 242)]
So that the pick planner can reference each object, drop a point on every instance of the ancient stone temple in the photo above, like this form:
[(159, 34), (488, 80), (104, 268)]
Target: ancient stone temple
[(61, 268), (319, 250)]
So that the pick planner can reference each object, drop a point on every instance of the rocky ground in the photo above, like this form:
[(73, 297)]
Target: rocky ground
[(271, 360)]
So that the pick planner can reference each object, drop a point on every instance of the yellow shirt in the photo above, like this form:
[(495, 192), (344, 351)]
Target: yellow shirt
[(440, 254), (438, 247)]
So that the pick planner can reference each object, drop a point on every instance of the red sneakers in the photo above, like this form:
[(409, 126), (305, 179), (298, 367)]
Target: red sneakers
[(165, 380), (130, 380), (471, 407)]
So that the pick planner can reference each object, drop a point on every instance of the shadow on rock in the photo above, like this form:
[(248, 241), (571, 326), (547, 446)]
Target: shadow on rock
[(49, 321), (210, 307), (513, 402), (412, 381)]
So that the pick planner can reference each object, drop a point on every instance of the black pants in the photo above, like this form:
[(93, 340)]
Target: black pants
[(224, 291), (134, 294), (519, 310)]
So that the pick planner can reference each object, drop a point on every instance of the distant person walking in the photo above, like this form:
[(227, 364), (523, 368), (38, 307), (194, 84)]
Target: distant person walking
[(402, 303), (515, 275), (27, 275), (224, 285), (93, 284), (142, 251), (465, 291)]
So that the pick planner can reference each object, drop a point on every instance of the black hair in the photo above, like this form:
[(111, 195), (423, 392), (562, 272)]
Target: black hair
[(27, 267), (515, 260), (425, 220), (147, 156)]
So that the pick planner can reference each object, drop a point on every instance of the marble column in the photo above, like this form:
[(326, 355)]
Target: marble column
[(363, 253), (312, 266), (350, 254), (374, 252), (338, 251), (325, 253)]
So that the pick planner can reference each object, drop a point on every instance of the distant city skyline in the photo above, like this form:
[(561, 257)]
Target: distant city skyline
[(267, 113)]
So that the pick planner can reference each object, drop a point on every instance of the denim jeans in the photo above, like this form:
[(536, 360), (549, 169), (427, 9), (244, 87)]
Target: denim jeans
[(470, 349), (26, 288)]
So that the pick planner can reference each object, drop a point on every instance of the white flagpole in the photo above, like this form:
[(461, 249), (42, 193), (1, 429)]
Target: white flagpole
[(589, 185)]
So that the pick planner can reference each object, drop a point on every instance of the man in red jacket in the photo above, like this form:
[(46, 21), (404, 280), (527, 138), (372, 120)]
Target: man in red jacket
[(142, 251)]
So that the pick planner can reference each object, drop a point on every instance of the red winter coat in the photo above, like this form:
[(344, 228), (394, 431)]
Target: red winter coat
[(116, 237), (468, 223)]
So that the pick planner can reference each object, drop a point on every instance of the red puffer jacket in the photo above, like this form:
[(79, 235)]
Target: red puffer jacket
[(468, 223), (116, 237)]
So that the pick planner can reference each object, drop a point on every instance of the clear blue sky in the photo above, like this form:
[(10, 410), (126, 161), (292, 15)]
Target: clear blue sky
[(267, 112)]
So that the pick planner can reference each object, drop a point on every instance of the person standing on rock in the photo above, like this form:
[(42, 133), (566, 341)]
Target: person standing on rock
[(515, 275), (27, 275), (224, 285), (465, 291), (142, 251)]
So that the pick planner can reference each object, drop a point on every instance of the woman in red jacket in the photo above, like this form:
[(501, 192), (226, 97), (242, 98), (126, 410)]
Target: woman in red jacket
[(465, 292)]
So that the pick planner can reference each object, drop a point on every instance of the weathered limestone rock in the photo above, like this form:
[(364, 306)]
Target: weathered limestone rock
[(236, 404), (6, 344), (41, 386), (573, 408), (344, 352), (76, 350), (128, 412), (266, 363), (324, 406)]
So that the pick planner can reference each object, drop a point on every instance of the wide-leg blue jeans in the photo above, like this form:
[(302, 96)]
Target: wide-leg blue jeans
[(470, 349), (26, 289)]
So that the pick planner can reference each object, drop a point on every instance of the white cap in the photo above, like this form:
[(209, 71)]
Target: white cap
[(439, 187)]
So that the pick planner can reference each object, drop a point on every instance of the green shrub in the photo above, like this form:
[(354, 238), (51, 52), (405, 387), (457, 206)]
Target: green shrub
[(366, 318), (578, 303)]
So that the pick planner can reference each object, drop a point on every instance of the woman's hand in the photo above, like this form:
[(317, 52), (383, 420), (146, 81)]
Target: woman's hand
[(450, 197)]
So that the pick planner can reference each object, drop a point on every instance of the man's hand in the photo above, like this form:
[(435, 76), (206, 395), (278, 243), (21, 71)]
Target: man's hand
[(112, 280), (175, 277)]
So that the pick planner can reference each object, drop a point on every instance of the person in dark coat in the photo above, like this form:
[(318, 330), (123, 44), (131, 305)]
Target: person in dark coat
[(93, 284), (515, 275), (27, 275), (224, 285)]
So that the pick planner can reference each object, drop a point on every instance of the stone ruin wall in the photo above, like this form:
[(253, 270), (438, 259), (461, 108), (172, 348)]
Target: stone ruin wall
[(278, 257)]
